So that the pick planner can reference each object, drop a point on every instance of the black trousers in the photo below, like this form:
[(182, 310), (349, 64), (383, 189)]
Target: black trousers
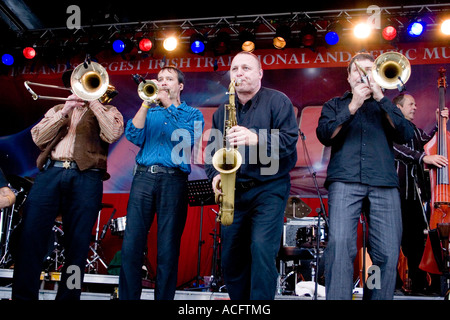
[(77, 197)]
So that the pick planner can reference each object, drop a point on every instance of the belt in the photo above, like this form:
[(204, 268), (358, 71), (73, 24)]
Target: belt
[(245, 185), (66, 165), (157, 169)]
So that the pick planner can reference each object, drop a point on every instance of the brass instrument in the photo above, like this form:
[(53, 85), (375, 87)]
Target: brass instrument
[(148, 91), (227, 161), (391, 70), (89, 81)]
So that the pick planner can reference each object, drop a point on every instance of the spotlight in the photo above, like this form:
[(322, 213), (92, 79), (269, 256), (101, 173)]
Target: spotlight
[(145, 44), (389, 33), (331, 38), (221, 43), (445, 27), (247, 40), (7, 59), (362, 30), (29, 53), (282, 35), (197, 43), (416, 28), (170, 43), (308, 35), (118, 46)]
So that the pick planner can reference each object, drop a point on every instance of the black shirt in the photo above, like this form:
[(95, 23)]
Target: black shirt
[(271, 115), (362, 151)]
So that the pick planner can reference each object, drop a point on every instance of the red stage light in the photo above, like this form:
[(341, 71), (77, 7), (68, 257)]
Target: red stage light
[(145, 44), (389, 33), (29, 53)]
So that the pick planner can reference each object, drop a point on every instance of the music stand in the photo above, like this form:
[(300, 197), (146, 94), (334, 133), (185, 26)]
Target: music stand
[(200, 193)]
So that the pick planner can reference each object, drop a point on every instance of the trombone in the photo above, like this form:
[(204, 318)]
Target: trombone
[(390, 70), (89, 81)]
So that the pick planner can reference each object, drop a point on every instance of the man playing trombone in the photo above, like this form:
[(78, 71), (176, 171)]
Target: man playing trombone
[(360, 127), (74, 138)]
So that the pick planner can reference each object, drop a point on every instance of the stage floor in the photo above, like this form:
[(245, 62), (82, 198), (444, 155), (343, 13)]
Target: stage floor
[(103, 287)]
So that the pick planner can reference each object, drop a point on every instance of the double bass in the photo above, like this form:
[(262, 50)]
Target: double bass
[(435, 258)]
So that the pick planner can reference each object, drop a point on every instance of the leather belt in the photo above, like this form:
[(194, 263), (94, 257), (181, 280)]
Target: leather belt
[(157, 169), (66, 165), (245, 185)]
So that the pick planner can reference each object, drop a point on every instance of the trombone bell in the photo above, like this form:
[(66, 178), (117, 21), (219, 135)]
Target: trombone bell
[(391, 70)]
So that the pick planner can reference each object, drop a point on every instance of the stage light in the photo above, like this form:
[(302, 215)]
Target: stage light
[(445, 27), (7, 59), (389, 33), (145, 44), (416, 28), (308, 35), (282, 35), (331, 38), (362, 30), (221, 43), (170, 43), (247, 40), (197, 43), (29, 53), (118, 46)]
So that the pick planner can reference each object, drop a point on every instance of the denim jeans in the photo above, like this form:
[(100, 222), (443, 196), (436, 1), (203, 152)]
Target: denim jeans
[(77, 197), (163, 194), (251, 243), (385, 228)]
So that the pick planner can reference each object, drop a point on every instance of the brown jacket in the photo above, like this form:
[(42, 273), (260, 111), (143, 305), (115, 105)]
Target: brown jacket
[(90, 150)]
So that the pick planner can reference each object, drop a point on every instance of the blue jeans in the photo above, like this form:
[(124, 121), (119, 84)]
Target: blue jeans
[(251, 243), (77, 196), (164, 194), (385, 229)]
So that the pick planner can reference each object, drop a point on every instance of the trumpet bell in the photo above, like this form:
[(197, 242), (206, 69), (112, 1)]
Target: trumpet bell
[(89, 83), (148, 90), (391, 70)]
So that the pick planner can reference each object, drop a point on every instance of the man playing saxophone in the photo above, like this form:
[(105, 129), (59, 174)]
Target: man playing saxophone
[(266, 133)]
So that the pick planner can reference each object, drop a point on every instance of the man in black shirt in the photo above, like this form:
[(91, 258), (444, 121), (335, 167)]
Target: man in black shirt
[(361, 127), (410, 158), (266, 135)]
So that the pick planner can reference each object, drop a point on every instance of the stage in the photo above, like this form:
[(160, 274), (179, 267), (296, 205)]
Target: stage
[(104, 287)]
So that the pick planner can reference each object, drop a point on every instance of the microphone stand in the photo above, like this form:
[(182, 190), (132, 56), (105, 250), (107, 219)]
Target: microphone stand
[(320, 211)]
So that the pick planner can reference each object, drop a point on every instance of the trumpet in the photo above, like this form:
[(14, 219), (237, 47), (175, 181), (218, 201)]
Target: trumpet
[(147, 89), (88, 81)]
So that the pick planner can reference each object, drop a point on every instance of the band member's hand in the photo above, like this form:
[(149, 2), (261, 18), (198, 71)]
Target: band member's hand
[(444, 114), (240, 136), (361, 92), (436, 160), (70, 105), (215, 183), (377, 92), (7, 197)]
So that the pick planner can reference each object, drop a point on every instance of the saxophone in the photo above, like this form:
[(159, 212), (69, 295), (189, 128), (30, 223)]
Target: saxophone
[(227, 161)]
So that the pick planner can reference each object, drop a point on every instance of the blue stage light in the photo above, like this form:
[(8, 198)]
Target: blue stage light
[(331, 38), (416, 28), (118, 46), (7, 59), (197, 46)]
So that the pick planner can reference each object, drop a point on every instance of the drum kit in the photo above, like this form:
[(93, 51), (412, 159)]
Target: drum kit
[(10, 225), (303, 243)]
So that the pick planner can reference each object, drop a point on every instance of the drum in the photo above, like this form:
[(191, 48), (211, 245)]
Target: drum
[(118, 225)]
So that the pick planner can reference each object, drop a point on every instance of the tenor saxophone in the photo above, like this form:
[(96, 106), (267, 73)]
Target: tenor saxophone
[(227, 161)]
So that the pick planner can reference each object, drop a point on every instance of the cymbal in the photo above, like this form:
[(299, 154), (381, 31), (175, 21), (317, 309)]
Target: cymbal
[(296, 208)]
